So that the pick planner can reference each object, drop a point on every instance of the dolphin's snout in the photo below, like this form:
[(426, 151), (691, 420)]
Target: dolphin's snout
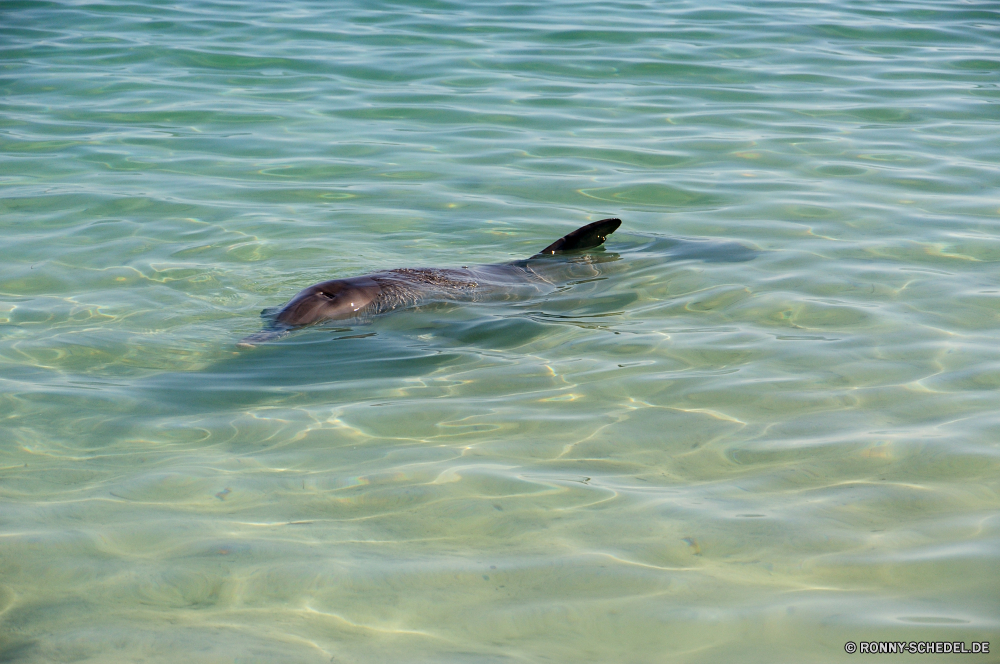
[(261, 337)]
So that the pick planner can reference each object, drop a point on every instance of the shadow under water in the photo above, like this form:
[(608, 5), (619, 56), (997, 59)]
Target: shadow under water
[(413, 342)]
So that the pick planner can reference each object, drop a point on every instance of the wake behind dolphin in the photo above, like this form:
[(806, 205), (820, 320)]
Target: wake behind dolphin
[(370, 295)]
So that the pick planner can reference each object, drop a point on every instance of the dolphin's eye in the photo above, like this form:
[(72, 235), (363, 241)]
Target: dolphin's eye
[(328, 296)]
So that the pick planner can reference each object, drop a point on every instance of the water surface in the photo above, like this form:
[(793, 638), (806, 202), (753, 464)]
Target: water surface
[(758, 424)]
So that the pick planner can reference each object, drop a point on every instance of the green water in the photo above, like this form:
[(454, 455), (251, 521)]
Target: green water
[(679, 455)]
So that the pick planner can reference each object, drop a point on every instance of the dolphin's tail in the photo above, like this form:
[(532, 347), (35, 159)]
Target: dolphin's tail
[(585, 237)]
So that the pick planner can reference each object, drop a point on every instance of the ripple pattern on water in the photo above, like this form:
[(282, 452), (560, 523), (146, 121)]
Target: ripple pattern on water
[(758, 424)]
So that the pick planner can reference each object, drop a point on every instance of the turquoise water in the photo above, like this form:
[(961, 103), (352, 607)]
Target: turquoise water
[(678, 455)]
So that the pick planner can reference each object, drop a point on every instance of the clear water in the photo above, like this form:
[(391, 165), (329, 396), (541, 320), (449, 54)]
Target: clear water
[(677, 456)]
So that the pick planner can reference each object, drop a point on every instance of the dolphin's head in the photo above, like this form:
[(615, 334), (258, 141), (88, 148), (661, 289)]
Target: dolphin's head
[(331, 300), (338, 299)]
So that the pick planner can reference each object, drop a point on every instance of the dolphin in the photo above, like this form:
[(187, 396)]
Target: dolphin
[(362, 298)]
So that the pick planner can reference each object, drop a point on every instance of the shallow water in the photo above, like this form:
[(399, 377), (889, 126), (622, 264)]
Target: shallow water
[(760, 423)]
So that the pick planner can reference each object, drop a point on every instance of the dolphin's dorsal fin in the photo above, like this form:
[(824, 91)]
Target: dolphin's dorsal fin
[(585, 237)]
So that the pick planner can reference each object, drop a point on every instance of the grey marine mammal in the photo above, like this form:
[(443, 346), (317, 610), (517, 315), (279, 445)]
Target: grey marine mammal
[(377, 293)]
